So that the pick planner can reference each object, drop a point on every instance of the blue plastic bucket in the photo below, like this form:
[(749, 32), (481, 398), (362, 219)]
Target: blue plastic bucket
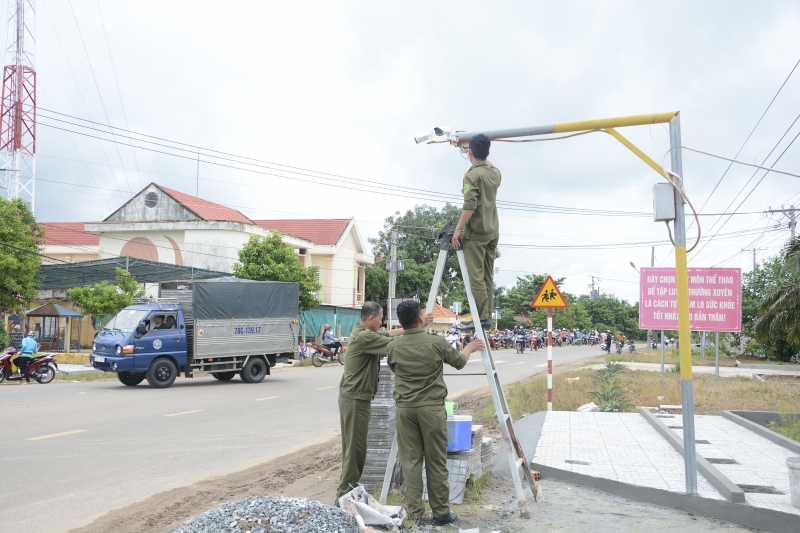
[(459, 433)]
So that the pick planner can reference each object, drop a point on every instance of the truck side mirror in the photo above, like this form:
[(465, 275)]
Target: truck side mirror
[(141, 329)]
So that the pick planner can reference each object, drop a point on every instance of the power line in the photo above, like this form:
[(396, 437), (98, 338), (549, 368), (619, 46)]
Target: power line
[(751, 133), (766, 173), (99, 94), (119, 91)]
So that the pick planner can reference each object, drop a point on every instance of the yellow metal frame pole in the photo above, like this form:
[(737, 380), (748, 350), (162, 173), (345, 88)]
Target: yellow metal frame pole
[(684, 333)]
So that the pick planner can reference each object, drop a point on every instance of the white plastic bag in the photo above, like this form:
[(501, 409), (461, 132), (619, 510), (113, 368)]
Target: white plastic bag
[(368, 512), (588, 408)]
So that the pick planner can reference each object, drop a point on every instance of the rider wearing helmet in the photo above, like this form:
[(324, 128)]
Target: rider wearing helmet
[(329, 341), (29, 347)]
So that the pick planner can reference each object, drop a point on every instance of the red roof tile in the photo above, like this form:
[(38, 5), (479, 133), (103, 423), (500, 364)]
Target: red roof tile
[(322, 232), (442, 312), (205, 209), (69, 234)]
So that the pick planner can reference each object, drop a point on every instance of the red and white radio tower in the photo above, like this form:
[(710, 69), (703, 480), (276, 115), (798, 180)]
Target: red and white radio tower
[(18, 103)]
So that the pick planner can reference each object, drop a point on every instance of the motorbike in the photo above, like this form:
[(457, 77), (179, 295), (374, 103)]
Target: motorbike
[(39, 368), (654, 344), (520, 345), (631, 347), (619, 346), (323, 355)]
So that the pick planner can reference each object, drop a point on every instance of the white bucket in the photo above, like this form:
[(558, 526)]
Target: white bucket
[(794, 479)]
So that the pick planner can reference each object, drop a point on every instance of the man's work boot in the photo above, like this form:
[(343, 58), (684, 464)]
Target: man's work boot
[(470, 326), (444, 520)]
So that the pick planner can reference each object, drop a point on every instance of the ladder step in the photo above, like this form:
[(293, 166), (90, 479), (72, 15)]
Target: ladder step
[(519, 462)]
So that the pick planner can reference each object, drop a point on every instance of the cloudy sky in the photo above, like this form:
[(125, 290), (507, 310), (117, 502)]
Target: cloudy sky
[(336, 91)]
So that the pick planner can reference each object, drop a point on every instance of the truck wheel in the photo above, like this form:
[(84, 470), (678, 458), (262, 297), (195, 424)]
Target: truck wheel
[(162, 373), (131, 380), (254, 370), (223, 376)]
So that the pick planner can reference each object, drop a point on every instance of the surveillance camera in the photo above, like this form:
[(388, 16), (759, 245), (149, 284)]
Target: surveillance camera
[(442, 131), (423, 137)]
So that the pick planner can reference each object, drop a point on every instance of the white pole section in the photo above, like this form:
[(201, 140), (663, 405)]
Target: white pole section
[(549, 359)]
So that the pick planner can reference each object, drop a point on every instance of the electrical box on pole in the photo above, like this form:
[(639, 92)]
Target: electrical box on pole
[(663, 202)]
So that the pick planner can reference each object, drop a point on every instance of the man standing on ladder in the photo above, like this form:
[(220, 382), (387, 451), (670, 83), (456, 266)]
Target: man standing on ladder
[(480, 226)]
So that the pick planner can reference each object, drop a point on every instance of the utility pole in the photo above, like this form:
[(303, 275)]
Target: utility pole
[(18, 105), (791, 212), (392, 277), (754, 250), (595, 294)]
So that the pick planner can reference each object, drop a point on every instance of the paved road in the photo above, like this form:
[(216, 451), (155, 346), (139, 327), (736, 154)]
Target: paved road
[(74, 450)]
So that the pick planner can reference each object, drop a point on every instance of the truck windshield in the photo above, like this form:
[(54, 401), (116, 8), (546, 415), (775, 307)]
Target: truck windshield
[(126, 320)]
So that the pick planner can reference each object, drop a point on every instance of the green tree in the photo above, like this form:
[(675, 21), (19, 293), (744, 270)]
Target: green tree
[(105, 298), (416, 241), (270, 259), (776, 324), (414, 277), (20, 239)]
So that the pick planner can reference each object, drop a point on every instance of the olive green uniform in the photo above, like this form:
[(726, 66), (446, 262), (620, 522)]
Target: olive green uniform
[(480, 235), (356, 390), (417, 360)]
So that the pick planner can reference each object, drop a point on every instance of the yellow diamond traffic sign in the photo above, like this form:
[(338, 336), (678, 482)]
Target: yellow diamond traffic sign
[(549, 295)]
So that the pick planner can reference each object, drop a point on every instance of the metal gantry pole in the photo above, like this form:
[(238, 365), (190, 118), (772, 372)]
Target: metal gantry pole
[(684, 333), (662, 352), (549, 359), (716, 348)]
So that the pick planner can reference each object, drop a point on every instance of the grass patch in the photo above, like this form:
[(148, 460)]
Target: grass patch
[(303, 362), (789, 426), (477, 487), (712, 394), (86, 376), (671, 358)]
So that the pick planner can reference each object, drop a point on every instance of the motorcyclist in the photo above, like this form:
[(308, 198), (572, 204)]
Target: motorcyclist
[(29, 347), (329, 341), (453, 338), (608, 341)]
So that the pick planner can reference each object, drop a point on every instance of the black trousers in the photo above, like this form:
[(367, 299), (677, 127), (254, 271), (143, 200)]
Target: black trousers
[(334, 347), (22, 363)]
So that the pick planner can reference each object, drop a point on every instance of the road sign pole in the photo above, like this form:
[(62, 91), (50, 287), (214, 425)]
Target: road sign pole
[(716, 348), (549, 358)]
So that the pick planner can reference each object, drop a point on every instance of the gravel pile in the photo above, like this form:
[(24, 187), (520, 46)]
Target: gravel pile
[(267, 514)]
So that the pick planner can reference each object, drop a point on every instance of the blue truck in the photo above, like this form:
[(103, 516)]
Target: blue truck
[(222, 327)]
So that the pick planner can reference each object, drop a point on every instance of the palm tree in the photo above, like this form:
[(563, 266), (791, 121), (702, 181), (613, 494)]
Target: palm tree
[(780, 310)]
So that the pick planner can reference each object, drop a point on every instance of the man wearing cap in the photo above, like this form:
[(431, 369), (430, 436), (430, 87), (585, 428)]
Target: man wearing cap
[(478, 229), (357, 388), (29, 347)]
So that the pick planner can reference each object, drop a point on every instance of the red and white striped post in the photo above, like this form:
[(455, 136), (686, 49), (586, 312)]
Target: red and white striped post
[(549, 359)]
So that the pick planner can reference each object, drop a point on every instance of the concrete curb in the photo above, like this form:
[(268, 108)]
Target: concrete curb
[(789, 368), (768, 434), (727, 487), (745, 515)]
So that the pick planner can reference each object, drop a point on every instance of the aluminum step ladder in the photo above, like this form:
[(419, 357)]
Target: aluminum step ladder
[(516, 457)]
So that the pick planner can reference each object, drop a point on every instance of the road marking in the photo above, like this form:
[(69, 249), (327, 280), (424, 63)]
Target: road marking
[(542, 365), (185, 413), (267, 398), (498, 362), (58, 434), (515, 364), (329, 387)]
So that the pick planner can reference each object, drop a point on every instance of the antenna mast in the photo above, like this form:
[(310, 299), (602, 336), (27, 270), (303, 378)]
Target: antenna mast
[(18, 103)]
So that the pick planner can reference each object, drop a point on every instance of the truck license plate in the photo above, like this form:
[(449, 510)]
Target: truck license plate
[(99, 359)]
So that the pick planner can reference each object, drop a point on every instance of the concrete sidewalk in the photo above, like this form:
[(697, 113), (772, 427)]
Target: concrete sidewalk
[(622, 453), (724, 371)]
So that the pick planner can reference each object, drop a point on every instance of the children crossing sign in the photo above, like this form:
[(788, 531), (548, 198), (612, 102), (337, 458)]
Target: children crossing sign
[(549, 296)]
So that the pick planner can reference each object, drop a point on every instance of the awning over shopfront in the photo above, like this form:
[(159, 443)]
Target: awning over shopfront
[(78, 274)]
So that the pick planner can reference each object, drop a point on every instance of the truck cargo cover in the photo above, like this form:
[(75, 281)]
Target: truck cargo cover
[(220, 300)]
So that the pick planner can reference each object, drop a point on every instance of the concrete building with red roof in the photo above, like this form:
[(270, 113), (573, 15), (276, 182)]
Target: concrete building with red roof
[(169, 226)]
